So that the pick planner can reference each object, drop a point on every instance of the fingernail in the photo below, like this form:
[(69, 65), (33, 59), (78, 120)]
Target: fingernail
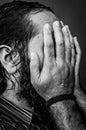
[(62, 23), (65, 29), (68, 29), (57, 23), (47, 26), (75, 37)]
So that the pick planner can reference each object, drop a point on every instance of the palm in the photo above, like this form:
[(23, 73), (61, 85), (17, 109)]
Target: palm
[(56, 76)]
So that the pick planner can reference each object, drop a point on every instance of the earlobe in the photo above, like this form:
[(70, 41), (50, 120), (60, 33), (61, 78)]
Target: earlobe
[(9, 59)]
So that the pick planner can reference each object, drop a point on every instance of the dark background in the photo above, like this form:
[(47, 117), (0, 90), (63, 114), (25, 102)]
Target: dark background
[(73, 13)]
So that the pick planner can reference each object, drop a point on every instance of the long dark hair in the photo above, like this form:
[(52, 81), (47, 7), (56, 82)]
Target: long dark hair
[(16, 31)]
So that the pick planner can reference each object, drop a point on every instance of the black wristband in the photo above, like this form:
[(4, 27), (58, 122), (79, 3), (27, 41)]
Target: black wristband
[(60, 98)]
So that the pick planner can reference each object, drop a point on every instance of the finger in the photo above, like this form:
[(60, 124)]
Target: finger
[(73, 55), (48, 46), (59, 41), (62, 24), (70, 35), (73, 49), (78, 55), (34, 68), (67, 44)]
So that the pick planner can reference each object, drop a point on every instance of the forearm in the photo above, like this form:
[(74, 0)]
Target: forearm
[(66, 116), (81, 98)]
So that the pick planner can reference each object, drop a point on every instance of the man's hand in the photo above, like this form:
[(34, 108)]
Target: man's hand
[(57, 74), (77, 65), (61, 65), (78, 90)]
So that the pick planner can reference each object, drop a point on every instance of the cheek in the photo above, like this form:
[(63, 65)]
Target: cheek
[(36, 45)]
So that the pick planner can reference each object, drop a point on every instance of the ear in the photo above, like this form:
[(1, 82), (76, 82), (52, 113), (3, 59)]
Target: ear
[(9, 59)]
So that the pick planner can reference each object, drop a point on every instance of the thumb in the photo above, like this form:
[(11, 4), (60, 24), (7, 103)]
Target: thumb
[(34, 68)]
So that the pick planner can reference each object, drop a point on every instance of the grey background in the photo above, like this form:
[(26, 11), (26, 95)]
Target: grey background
[(73, 13)]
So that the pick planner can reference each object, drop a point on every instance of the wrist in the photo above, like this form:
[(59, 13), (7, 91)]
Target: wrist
[(62, 111), (60, 98), (62, 106)]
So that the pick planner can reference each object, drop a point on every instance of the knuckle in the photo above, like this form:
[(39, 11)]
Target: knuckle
[(72, 45), (59, 38), (68, 47), (60, 62), (51, 55), (49, 64), (49, 45), (60, 41)]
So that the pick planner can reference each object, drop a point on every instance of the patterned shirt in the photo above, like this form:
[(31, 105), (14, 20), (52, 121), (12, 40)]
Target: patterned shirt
[(13, 117)]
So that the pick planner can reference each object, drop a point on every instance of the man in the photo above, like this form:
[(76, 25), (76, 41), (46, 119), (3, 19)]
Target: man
[(39, 64)]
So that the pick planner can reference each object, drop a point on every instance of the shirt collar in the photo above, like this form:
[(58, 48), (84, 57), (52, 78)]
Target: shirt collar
[(16, 111)]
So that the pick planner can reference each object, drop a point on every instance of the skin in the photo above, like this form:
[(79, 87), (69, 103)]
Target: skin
[(53, 75), (57, 72), (38, 43)]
